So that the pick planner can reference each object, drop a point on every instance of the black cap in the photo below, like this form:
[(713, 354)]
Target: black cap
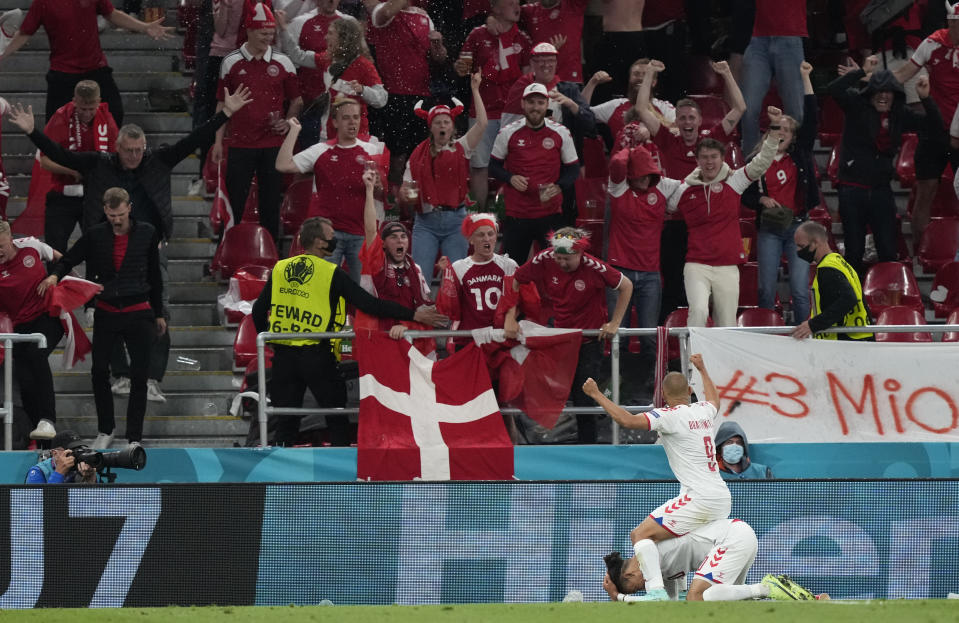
[(67, 439)]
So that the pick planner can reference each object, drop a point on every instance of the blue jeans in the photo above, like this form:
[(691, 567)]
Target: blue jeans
[(348, 247), (769, 248), (875, 207), (647, 293), (766, 57), (434, 231)]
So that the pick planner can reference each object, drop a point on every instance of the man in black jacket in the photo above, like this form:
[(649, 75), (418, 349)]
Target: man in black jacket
[(876, 117), (145, 175), (121, 254)]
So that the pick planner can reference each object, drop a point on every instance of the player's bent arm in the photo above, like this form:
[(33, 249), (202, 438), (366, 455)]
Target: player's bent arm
[(709, 389)]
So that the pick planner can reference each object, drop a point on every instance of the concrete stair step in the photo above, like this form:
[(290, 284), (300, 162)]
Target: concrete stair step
[(77, 412), (173, 382), (197, 336), (210, 358), (188, 270), (112, 41), (191, 248), (22, 163), (179, 182), (12, 83), (195, 292), (188, 314), (145, 61)]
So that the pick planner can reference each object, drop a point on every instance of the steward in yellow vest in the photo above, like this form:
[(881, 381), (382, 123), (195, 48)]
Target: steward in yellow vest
[(837, 292), (308, 294)]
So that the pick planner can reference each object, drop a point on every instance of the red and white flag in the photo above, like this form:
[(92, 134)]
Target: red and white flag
[(536, 373), (221, 213), (67, 295), (425, 419)]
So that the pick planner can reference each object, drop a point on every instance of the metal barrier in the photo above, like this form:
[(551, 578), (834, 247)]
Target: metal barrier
[(8, 341), (264, 411)]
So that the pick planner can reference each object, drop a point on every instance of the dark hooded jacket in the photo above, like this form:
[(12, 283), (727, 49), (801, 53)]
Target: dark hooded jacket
[(861, 161), (751, 469)]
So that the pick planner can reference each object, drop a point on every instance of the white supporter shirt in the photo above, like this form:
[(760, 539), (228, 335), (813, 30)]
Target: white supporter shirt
[(686, 432)]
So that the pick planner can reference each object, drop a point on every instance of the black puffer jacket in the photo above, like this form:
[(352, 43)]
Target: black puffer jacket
[(861, 162)]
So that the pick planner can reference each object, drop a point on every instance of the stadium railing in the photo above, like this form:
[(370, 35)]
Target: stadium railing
[(8, 340), (264, 410)]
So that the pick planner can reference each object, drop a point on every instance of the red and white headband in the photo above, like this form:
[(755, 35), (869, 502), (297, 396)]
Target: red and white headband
[(475, 220)]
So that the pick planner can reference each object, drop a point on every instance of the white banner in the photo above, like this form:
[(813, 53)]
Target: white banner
[(783, 390)]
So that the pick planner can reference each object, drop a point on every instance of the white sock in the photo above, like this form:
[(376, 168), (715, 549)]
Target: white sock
[(735, 592), (648, 557)]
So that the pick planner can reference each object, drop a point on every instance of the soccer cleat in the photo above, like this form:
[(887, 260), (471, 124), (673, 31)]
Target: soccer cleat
[(103, 441), (782, 588), (656, 594), (121, 387), (153, 391), (44, 430)]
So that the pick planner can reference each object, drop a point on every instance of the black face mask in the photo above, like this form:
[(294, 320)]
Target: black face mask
[(806, 254), (330, 244)]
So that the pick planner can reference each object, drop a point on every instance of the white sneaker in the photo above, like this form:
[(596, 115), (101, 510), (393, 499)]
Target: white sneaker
[(153, 391), (196, 188), (103, 441), (121, 387), (44, 430)]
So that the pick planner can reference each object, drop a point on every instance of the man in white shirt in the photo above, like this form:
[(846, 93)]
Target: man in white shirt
[(686, 431)]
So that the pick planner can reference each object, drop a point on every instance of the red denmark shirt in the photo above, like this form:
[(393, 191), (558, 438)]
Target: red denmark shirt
[(501, 59), (537, 154), (309, 31), (566, 19), (780, 19), (711, 213), (272, 79), (19, 279), (73, 32), (937, 54), (91, 137), (678, 158), (579, 297), (781, 182), (338, 190), (402, 51)]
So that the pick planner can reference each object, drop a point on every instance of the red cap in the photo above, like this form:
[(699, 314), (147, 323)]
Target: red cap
[(475, 220)]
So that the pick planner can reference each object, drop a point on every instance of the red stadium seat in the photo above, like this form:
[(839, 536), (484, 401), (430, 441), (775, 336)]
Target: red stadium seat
[(822, 216), (901, 314), (759, 317), (939, 243), (702, 79), (594, 158), (246, 244), (210, 173), (890, 284), (945, 203), (947, 278), (597, 230), (831, 118), (749, 285), (251, 211), (591, 189), (295, 247), (906, 160), (952, 336), (296, 205), (244, 344), (747, 229), (734, 155), (676, 319)]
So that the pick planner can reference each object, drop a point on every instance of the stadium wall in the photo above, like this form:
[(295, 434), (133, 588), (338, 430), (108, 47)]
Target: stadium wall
[(412, 543), (626, 462)]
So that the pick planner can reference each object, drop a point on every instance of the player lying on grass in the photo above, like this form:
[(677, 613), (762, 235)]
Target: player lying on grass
[(722, 553), (686, 431)]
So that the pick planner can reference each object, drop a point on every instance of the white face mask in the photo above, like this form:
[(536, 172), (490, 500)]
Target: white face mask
[(733, 453)]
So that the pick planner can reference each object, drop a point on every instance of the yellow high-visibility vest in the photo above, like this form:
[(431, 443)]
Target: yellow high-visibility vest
[(300, 298), (856, 317)]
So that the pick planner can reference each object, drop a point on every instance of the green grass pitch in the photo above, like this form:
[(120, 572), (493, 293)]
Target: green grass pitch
[(900, 611)]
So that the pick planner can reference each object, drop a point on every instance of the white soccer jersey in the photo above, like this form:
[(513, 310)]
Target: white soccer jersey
[(686, 432)]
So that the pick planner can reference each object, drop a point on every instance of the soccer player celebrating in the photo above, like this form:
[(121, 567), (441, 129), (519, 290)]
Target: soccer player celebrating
[(723, 550), (687, 433)]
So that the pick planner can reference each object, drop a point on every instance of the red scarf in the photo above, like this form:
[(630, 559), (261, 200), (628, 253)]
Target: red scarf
[(443, 178), (30, 223)]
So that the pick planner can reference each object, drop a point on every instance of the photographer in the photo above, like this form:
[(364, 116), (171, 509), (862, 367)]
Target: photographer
[(62, 467)]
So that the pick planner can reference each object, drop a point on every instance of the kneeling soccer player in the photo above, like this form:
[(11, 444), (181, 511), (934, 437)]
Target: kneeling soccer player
[(722, 553)]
